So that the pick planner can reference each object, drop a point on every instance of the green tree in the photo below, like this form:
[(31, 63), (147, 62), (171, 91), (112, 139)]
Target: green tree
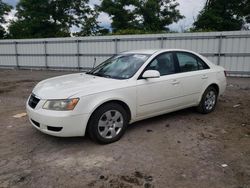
[(243, 10), (4, 10), (88, 24), (49, 18), (223, 15), (156, 15), (122, 18), (141, 15)]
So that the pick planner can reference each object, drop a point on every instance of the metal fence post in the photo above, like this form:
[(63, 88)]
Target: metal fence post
[(116, 45), (16, 55), (78, 54), (162, 42), (219, 49), (45, 54)]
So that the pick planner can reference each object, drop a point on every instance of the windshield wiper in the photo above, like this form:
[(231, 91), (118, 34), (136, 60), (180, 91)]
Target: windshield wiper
[(89, 72), (99, 74)]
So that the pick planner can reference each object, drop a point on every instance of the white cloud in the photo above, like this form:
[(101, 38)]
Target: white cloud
[(104, 20), (9, 18), (190, 9), (96, 2), (11, 2), (129, 7)]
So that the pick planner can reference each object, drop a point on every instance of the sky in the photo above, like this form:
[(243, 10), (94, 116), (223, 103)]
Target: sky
[(188, 8)]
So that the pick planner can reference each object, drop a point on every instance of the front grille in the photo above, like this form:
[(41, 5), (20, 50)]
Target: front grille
[(33, 101)]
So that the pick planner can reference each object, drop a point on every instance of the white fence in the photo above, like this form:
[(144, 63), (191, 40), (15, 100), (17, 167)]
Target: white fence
[(228, 49)]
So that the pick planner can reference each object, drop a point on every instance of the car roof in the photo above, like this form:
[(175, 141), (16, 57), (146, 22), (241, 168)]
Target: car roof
[(152, 51), (142, 51), (158, 51)]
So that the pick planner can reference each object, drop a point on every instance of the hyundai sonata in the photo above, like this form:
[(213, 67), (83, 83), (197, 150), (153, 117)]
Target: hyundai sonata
[(126, 88)]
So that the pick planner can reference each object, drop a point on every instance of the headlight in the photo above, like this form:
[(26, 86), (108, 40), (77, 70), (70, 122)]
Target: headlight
[(61, 105)]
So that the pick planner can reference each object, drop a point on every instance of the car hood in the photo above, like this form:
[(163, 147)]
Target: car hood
[(63, 87)]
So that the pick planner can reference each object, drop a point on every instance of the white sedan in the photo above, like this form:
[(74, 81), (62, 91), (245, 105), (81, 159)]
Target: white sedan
[(126, 88)]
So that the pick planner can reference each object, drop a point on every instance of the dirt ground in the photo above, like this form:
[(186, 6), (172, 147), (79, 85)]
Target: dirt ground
[(183, 149)]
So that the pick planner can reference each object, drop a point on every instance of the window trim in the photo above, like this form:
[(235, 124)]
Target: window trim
[(192, 55), (176, 65)]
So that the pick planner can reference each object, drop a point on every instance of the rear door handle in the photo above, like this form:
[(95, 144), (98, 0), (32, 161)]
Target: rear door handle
[(175, 82), (204, 77)]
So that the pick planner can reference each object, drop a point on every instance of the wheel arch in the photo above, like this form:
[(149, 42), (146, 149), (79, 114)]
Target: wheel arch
[(213, 84), (118, 101)]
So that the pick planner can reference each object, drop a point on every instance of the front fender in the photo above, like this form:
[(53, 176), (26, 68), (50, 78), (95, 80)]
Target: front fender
[(91, 102)]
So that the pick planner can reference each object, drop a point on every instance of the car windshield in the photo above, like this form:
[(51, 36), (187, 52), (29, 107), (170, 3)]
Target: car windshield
[(122, 66)]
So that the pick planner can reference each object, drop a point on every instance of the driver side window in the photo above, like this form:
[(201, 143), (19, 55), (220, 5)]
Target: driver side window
[(164, 63)]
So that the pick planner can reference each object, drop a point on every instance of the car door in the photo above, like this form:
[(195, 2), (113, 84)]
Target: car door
[(156, 95), (193, 75)]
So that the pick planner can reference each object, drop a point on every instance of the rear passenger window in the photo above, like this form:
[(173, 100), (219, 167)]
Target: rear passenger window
[(189, 62)]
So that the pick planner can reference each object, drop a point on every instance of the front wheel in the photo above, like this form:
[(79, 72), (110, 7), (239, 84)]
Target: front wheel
[(208, 101), (108, 123)]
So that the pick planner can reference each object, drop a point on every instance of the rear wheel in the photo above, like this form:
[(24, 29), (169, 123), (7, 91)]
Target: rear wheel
[(108, 123), (208, 101)]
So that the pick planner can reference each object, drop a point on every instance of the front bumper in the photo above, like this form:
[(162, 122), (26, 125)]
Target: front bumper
[(61, 124)]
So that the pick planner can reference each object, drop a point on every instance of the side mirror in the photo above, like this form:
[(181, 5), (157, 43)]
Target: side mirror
[(151, 74)]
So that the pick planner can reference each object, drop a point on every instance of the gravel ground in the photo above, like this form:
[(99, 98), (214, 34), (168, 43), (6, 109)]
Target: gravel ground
[(181, 149)]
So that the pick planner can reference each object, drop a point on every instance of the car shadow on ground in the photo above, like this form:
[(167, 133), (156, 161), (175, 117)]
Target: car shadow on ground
[(161, 118), (63, 141), (137, 126)]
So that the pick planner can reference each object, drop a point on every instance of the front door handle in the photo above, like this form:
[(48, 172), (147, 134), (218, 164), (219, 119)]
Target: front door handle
[(204, 77), (175, 82)]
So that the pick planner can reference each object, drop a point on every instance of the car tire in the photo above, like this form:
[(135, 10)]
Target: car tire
[(208, 101), (108, 123)]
